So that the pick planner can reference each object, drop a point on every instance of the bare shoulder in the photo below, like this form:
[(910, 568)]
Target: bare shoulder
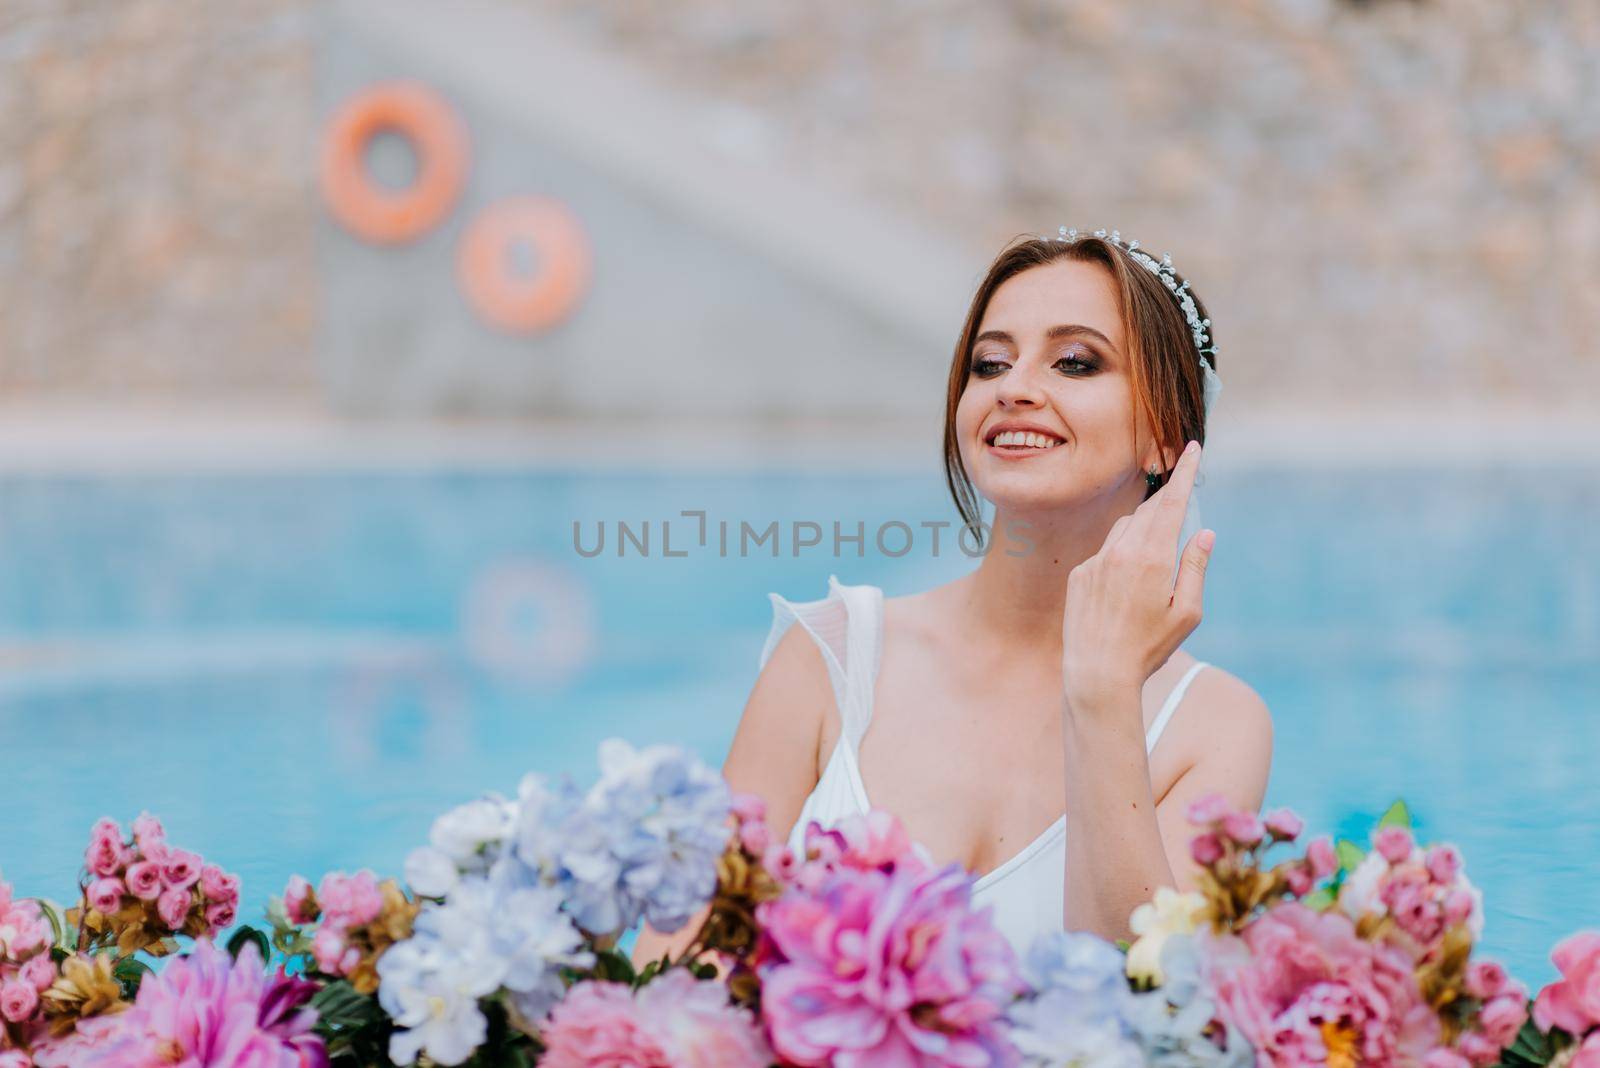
[(1226, 706), (774, 749)]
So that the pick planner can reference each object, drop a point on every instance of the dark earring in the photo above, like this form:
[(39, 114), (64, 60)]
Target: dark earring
[(1152, 479)]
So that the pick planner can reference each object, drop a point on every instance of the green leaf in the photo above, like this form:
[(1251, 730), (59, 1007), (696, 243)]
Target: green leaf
[(612, 965), (129, 971), (1320, 900), (1532, 1049), (1399, 815), (1350, 855), (340, 1007), (61, 935), (703, 969), (246, 934)]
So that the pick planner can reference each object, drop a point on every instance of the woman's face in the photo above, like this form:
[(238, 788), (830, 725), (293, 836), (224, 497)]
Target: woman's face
[(1046, 420)]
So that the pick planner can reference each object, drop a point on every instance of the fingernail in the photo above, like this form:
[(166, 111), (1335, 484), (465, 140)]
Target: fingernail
[(1193, 445), (1206, 539)]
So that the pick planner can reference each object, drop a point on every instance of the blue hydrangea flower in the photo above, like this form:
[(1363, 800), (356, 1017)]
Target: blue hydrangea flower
[(1173, 1023), (1076, 1017)]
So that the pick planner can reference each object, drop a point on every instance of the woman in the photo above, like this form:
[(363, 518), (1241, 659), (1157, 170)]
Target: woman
[(1014, 713)]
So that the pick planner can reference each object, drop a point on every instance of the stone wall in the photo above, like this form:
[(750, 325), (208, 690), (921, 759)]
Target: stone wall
[(156, 217), (1378, 200)]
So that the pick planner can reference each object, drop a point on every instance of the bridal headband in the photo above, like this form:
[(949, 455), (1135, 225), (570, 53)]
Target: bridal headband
[(1210, 383)]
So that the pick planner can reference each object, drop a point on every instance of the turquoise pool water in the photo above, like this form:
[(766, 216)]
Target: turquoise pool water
[(297, 672)]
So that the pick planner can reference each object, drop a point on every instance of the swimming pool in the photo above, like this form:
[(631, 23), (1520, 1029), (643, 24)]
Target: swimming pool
[(298, 671)]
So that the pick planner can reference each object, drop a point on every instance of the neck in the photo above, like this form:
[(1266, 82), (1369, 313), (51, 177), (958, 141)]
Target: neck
[(1020, 586)]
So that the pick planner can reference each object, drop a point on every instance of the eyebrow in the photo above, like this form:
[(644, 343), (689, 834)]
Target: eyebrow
[(1055, 333)]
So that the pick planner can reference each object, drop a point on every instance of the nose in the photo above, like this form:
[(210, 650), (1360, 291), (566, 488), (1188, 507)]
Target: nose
[(1020, 388)]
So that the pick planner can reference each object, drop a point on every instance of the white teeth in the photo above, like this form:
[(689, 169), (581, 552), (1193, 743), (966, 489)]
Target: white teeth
[(1027, 438)]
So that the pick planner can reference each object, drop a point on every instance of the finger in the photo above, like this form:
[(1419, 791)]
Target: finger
[(1117, 528), (1172, 500), (1188, 593)]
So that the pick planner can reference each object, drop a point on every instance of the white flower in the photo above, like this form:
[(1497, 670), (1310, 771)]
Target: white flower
[(432, 995), (463, 832), (1154, 922), (1358, 896), (430, 872)]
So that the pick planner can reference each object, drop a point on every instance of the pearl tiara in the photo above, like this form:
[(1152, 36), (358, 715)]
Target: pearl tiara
[(1198, 327)]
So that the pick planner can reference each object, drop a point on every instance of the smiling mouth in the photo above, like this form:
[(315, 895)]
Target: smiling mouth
[(1023, 442)]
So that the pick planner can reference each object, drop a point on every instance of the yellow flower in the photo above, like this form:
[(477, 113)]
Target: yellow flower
[(1154, 922)]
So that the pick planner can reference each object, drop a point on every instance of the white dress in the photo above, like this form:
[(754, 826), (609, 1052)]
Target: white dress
[(1026, 891)]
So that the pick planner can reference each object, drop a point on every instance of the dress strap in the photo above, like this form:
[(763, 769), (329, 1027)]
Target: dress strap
[(846, 627), (1170, 706)]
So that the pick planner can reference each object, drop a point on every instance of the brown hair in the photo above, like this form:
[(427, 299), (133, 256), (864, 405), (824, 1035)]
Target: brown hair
[(1165, 371)]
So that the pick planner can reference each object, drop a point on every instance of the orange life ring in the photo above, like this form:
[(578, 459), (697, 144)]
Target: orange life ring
[(437, 136), (525, 302)]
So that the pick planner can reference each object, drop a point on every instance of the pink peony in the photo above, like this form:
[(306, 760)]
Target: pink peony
[(1478, 1049), (333, 954), (1572, 1002), (15, 1058), (1588, 1054), (1294, 970), (204, 1010), (886, 966), (1445, 1058), (144, 880), (675, 1021)]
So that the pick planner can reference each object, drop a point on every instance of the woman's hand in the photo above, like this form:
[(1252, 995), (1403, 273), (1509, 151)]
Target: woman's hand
[(1124, 616)]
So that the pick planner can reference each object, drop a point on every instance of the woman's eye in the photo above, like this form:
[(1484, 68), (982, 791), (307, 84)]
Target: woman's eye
[(985, 368), (1074, 364)]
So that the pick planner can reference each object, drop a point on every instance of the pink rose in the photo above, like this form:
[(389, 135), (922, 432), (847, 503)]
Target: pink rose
[(180, 869), (39, 972), (104, 855), (1324, 860), (1394, 844), (350, 900), (1485, 979), (332, 953), (1478, 1049), (749, 808), (1444, 864), (1457, 907), (156, 852), (1284, 824), (298, 903), (1243, 827), (147, 829), (1299, 880), (105, 895), (144, 881), (17, 1000), (219, 915), (1444, 1057), (780, 862), (1502, 1018), (1206, 849), (1209, 809), (218, 885), (1572, 1002), (173, 906)]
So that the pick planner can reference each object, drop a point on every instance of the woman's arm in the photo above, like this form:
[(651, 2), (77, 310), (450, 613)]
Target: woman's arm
[(1122, 842), (773, 755)]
